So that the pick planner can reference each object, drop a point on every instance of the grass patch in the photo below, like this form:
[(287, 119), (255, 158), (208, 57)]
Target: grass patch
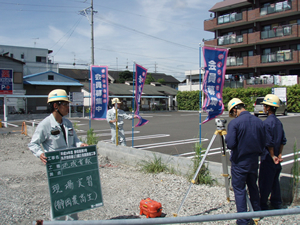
[(203, 176), (154, 166)]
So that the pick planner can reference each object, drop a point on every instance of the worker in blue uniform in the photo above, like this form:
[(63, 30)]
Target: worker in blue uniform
[(271, 158), (246, 140)]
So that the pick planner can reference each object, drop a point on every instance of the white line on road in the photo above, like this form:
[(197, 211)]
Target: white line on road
[(289, 162), (191, 153), (169, 143), (144, 137)]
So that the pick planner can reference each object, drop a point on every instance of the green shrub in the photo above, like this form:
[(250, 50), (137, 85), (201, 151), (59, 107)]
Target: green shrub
[(189, 100), (91, 138)]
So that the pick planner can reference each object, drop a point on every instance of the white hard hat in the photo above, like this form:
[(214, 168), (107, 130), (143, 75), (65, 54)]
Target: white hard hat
[(271, 100), (115, 100), (233, 102), (58, 95)]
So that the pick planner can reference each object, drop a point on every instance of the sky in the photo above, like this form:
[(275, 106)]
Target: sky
[(161, 35)]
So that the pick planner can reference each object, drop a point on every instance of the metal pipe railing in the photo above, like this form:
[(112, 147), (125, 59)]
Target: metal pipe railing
[(174, 220)]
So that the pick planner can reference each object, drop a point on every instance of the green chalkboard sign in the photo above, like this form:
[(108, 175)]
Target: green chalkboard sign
[(74, 180)]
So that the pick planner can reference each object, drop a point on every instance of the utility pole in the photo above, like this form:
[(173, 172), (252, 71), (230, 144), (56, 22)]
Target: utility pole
[(92, 31), (85, 12), (155, 66)]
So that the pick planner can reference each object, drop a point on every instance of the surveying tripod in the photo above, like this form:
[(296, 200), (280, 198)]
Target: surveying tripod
[(222, 132)]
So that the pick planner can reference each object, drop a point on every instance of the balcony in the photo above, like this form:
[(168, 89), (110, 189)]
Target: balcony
[(277, 10), (279, 34), (230, 41), (280, 58), (237, 62), (276, 32), (224, 21), (276, 7)]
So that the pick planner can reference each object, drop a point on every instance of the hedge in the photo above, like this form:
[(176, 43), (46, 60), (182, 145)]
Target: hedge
[(189, 100)]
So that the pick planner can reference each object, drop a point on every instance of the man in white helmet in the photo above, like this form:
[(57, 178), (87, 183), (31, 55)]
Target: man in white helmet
[(271, 158), (246, 140), (55, 132), (111, 119)]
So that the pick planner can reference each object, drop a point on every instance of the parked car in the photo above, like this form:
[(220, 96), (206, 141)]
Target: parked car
[(259, 108)]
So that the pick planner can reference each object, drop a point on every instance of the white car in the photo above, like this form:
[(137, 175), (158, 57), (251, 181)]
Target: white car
[(259, 108)]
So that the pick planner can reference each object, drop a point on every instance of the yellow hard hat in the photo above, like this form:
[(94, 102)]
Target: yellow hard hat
[(58, 95), (271, 100), (115, 100), (233, 102)]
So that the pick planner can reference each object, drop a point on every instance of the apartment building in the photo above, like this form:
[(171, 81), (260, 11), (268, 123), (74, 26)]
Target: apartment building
[(263, 37)]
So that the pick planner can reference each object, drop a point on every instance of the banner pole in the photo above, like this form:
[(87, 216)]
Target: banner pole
[(133, 109), (200, 96)]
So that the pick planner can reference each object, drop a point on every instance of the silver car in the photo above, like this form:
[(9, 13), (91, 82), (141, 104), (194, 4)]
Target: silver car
[(259, 108)]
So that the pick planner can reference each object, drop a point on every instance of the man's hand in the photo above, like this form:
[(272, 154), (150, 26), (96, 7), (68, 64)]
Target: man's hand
[(279, 157), (276, 159), (43, 158), (113, 121), (83, 145)]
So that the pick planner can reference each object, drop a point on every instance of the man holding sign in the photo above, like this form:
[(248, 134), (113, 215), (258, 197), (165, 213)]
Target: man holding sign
[(115, 116), (55, 132)]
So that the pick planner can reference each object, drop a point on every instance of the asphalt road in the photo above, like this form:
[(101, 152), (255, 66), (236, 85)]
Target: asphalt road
[(176, 133)]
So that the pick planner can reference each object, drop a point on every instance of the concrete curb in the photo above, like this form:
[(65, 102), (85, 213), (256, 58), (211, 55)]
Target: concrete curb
[(182, 166)]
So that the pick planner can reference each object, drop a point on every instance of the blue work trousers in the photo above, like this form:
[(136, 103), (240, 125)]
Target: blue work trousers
[(269, 184), (242, 175)]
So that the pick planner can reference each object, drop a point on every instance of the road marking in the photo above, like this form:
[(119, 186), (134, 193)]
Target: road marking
[(189, 114), (144, 137), (109, 134), (13, 125), (169, 143), (289, 155), (191, 153), (289, 162), (213, 153)]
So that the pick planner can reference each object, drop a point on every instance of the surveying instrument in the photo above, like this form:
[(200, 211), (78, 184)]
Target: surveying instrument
[(220, 123)]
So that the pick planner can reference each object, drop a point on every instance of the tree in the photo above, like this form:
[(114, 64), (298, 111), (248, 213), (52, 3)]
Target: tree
[(125, 76), (161, 80), (149, 79)]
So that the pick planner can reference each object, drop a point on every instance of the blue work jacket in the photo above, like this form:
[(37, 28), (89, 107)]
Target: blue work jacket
[(275, 135), (246, 139)]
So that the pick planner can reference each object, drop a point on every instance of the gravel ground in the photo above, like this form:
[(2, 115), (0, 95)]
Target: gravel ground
[(24, 193)]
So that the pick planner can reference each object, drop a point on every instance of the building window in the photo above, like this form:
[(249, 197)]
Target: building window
[(22, 56), (18, 78), (41, 59), (11, 55), (50, 77)]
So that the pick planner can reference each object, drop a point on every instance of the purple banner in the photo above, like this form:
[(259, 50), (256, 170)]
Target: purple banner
[(99, 92), (140, 77), (215, 68)]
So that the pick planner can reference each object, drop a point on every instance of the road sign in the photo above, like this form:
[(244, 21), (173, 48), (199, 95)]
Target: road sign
[(76, 98), (280, 92), (6, 81), (74, 180)]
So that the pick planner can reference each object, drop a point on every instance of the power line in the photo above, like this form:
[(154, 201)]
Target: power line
[(148, 35), (74, 27)]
